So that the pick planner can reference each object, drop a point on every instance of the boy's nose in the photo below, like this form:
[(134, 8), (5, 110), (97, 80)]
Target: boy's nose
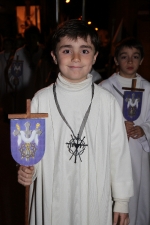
[(130, 60), (76, 57)]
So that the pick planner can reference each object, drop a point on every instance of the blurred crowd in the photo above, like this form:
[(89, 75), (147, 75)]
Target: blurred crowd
[(26, 66)]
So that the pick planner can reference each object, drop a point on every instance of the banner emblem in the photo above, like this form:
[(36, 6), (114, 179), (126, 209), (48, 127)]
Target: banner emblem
[(132, 103), (27, 140)]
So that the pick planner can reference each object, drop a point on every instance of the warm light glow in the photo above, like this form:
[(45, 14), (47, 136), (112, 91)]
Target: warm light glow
[(23, 22), (67, 1), (96, 28), (89, 22)]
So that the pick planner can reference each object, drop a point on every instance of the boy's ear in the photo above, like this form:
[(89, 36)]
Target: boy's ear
[(54, 57), (95, 56), (116, 62), (141, 61)]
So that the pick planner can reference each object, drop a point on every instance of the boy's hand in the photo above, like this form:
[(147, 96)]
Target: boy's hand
[(121, 218), (25, 175), (134, 132)]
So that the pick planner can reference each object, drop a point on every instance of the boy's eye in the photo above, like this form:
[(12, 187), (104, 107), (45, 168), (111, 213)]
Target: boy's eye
[(66, 51), (136, 57), (85, 51), (123, 57)]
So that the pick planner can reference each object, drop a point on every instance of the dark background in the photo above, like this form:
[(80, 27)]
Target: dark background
[(105, 14)]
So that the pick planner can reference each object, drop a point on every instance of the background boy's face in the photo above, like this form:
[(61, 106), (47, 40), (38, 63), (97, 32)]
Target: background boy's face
[(75, 58), (129, 60)]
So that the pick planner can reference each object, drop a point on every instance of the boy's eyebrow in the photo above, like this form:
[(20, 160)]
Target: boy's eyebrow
[(86, 46), (127, 53), (65, 46), (70, 46)]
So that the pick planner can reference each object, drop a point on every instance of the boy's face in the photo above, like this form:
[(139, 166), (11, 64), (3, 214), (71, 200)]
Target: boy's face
[(74, 58), (129, 60)]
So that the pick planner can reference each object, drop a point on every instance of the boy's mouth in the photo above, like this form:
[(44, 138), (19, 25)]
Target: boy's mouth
[(130, 68), (75, 67)]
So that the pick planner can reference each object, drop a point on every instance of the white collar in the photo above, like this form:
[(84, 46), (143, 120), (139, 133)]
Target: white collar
[(65, 84)]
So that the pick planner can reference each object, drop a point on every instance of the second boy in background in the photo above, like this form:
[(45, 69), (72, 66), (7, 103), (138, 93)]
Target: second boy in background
[(129, 56)]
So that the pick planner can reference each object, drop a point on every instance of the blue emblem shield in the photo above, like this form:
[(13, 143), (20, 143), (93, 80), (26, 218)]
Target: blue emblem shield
[(17, 68), (132, 103), (27, 140)]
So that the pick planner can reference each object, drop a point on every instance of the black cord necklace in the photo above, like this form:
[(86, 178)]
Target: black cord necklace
[(76, 142)]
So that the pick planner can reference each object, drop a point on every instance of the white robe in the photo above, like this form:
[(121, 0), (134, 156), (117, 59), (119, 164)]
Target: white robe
[(68, 193), (139, 204)]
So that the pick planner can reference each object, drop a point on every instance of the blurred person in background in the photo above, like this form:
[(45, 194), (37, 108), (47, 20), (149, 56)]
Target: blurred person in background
[(5, 55), (22, 70), (46, 70), (101, 65)]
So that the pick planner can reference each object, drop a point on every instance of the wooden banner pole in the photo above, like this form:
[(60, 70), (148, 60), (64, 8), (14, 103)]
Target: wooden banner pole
[(28, 115), (133, 87), (27, 190)]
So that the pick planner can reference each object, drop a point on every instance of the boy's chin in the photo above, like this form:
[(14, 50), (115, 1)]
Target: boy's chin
[(73, 79)]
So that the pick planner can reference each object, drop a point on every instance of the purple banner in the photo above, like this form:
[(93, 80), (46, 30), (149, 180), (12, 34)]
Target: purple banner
[(27, 140), (132, 103)]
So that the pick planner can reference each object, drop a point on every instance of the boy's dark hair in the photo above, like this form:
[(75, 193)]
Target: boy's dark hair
[(73, 29), (129, 42)]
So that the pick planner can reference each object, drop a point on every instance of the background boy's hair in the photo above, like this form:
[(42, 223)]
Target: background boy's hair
[(73, 29), (129, 42)]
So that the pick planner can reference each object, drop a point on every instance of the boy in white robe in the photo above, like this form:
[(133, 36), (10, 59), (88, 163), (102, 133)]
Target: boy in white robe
[(87, 159), (129, 56)]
